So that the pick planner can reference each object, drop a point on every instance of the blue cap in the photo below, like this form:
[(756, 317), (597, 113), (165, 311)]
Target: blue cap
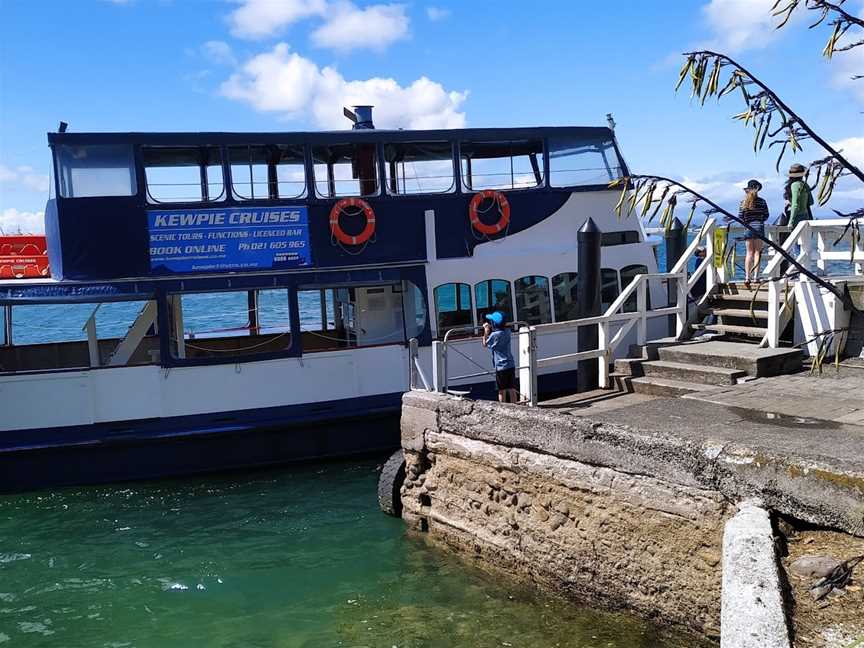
[(496, 317)]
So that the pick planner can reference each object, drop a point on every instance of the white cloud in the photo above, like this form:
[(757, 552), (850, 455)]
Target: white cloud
[(256, 19), (218, 52), (13, 221), (739, 25), (852, 148), (437, 13), (349, 27), (284, 82), (24, 175)]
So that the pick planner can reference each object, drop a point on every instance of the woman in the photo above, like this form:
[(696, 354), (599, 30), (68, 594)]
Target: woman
[(753, 212), (797, 195)]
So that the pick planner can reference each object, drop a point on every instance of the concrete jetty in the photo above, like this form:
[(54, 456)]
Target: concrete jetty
[(627, 506)]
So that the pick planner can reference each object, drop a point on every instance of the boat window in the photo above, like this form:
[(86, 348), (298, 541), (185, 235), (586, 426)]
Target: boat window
[(333, 318), (533, 305), (580, 162), (502, 165), (345, 170), (267, 172), (452, 306), (54, 336), (96, 170), (3, 328), (229, 324), (179, 175), (565, 294), (414, 307), (419, 167), (493, 295), (609, 289), (627, 275), (619, 238)]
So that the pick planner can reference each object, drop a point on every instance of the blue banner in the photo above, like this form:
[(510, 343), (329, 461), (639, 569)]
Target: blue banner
[(229, 240)]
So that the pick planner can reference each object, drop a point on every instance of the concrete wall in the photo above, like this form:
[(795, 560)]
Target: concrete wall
[(580, 513)]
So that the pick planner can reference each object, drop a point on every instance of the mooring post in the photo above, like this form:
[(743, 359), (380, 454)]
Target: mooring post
[(588, 303), (676, 243)]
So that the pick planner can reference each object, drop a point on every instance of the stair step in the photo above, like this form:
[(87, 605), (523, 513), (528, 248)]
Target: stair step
[(749, 331), (745, 313), (747, 357), (629, 366), (704, 375), (745, 296), (665, 387)]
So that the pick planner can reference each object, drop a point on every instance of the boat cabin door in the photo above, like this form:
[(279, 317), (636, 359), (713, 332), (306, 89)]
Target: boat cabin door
[(374, 316)]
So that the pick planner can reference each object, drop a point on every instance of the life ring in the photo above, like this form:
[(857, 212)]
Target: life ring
[(503, 208), (336, 228)]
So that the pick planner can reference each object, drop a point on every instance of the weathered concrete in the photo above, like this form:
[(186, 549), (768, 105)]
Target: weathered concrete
[(751, 358), (752, 613), (816, 474)]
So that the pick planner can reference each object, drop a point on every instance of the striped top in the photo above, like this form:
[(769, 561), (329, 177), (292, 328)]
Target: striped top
[(758, 213)]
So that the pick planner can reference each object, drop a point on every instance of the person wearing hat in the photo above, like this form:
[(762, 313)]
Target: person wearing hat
[(496, 338), (797, 195), (753, 212)]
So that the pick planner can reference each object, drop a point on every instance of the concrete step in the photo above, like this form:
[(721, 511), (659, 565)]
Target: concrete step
[(754, 360), (745, 296), (629, 366), (704, 375), (665, 387), (757, 332), (744, 313)]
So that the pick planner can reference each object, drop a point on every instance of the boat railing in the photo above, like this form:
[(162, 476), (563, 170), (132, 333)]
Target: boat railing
[(612, 326)]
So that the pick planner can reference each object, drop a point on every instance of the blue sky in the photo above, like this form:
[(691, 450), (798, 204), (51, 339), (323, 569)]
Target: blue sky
[(267, 65)]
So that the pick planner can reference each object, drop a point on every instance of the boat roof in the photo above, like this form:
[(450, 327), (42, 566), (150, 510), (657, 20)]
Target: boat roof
[(584, 133)]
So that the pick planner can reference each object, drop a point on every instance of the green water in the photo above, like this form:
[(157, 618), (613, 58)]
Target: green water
[(298, 557)]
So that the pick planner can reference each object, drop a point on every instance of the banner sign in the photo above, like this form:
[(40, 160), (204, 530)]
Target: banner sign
[(229, 240)]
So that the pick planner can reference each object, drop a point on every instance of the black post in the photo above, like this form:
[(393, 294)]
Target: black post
[(676, 244), (588, 302)]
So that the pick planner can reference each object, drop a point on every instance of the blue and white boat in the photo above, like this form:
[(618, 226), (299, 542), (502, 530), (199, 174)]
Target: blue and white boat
[(388, 235)]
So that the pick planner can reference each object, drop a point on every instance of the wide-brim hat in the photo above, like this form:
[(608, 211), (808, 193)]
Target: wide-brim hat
[(797, 171)]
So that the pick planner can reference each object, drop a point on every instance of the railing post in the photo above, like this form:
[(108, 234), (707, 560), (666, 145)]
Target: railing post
[(821, 248), (681, 303), (642, 309), (528, 365), (439, 366), (412, 356), (773, 314), (603, 360), (806, 243)]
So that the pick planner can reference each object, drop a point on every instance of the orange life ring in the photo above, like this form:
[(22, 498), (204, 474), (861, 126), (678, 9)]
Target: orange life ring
[(503, 208), (336, 228)]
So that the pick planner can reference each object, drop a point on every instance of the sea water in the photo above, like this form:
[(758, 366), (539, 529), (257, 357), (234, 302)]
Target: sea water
[(299, 557)]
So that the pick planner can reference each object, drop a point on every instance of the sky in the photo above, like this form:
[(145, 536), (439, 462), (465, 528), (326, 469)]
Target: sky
[(282, 65)]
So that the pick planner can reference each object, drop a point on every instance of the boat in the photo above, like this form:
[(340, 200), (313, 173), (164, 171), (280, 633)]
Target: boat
[(389, 238)]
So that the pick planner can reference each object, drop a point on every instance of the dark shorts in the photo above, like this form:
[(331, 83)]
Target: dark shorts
[(506, 378), (759, 227)]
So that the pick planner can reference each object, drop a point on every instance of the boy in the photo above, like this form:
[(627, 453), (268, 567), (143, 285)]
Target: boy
[(496, 337)]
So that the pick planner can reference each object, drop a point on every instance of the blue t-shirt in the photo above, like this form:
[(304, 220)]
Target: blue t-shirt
[(499, 343)]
